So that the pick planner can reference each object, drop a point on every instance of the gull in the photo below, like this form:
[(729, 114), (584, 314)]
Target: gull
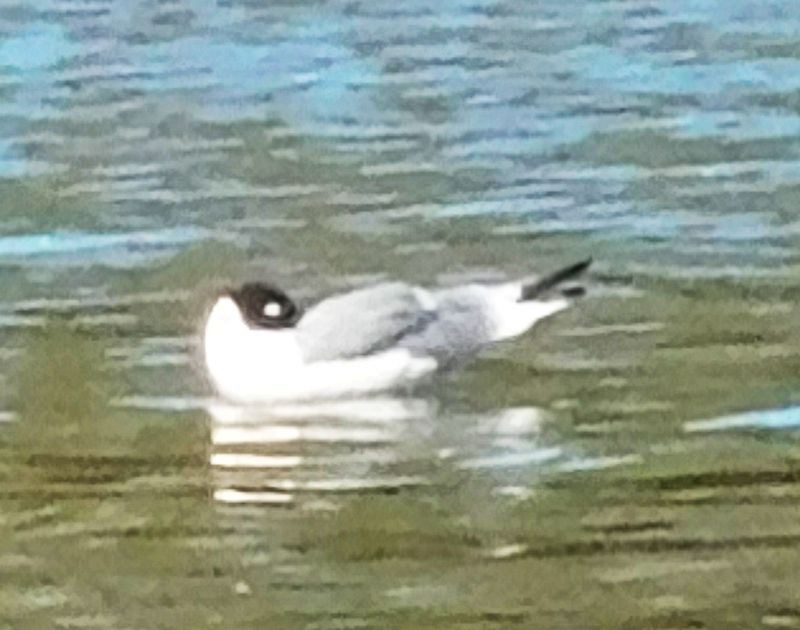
[(261, 347)]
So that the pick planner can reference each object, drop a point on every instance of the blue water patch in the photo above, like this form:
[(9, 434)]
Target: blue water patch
[(738, 125), (737, 16), (12, 167), (29, 56), (522, 131), (743, 228), (61, 243), (647, 74), (784, 418), (37, 48), (303, 80)]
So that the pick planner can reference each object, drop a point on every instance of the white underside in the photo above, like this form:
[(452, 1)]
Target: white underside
[(252, 366), (510, 317), (255, 366)]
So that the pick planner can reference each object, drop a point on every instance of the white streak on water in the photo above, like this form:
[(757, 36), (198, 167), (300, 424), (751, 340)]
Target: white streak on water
[(372, 410), (508, 460), (7, 416), (229, 495), (516, 421), (277, 434), (248, 460), (786, 418), (598, 463)]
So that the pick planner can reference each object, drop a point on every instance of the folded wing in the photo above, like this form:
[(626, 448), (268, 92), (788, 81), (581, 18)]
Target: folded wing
[(363, 322)]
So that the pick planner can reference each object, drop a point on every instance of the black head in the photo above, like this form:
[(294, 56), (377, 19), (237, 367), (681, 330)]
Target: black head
[(265, 306)]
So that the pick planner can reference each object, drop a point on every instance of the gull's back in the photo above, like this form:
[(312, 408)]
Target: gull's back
[(460, 325), (445, 324), (361, 323)]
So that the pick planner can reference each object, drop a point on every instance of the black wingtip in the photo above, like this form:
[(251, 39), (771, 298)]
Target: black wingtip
[(539, 287), (573, 292)]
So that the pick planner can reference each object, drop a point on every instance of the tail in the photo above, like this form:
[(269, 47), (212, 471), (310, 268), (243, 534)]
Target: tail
[(535, 290)]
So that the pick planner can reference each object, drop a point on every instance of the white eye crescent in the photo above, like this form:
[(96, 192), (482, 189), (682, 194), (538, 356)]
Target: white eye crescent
[(272, 309)]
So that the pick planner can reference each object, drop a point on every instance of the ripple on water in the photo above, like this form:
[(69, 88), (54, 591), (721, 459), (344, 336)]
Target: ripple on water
[(785, 418), (27, 246)]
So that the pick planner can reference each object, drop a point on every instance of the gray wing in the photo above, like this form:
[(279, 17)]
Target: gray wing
[(362, 322), (461, 326)]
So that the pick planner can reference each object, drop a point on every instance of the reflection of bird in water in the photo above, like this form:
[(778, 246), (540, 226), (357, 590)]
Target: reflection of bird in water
[(287, 452), (260, 347), (307, 453)]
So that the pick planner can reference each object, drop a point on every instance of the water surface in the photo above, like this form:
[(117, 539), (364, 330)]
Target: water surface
[(632, 463)]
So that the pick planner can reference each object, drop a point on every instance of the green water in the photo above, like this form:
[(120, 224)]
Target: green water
[(597, 510)]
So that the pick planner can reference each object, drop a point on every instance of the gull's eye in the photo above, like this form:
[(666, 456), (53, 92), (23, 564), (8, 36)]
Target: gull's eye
[(263, 306), (272, 309)]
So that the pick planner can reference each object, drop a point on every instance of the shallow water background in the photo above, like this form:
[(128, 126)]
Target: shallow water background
[(632, 463)]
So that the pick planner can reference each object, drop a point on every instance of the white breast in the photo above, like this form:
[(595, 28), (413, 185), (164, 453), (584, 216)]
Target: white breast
[(259, 365), (245, 362)]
